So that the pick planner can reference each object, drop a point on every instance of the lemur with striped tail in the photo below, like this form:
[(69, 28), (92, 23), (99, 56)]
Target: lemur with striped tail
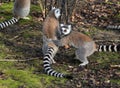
[(51, 32), (20, 10), (84, 45)]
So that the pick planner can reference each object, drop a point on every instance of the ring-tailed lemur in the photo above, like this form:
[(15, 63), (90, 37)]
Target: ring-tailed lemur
[(50, 32), (51, 29), (20, 10), (84, 45)]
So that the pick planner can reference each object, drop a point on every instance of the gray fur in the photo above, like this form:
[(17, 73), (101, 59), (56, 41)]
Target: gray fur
[(21, 9)]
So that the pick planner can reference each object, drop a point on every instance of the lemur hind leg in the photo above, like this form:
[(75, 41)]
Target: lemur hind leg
[(80, 55), (44, 48), (55, 51)]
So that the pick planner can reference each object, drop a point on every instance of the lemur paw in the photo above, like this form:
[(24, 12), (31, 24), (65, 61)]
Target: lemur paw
[(54, 62), (26, 18), (84, 63)]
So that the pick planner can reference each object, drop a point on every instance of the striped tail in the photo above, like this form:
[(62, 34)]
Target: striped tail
[(7, 23), (109, 48), (47, 67)]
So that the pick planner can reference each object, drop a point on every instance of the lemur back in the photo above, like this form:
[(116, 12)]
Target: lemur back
[(20, 10), (50, 27), (84, 45), (51, 32)]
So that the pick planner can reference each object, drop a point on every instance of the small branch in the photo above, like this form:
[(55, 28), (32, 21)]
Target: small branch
[(42, 8), (107, 40), (66, 11), (115, 66), (13, 60)]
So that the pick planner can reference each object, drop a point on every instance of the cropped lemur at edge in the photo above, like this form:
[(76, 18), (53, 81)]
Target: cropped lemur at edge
[(20, 10)]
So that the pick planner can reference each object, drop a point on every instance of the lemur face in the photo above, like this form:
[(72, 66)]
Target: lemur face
[(57, 13), (65, 29)]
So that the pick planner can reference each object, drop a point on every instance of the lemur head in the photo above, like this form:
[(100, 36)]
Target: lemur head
[(55, 12), (65, 29)]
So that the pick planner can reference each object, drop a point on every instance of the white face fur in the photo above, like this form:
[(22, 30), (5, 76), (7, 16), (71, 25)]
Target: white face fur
[(65, 29), (57, 13)]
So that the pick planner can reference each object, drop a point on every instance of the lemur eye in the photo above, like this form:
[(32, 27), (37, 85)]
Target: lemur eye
[(57, 11), (65, 30)]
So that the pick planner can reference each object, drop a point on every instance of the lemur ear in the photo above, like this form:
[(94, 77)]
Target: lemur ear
[(61, 24), (53, 8)]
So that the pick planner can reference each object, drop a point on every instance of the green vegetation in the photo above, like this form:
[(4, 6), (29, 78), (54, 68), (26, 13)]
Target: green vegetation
[(17, 78), (6, 11), (3, 50), (115, 81), (35, 8), (117, 16)]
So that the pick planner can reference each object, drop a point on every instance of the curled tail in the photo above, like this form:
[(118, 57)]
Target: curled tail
[(7, 23), (47, 67), (110, 48)]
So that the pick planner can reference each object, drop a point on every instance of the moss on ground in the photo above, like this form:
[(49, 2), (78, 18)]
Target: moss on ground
[(6, 11)]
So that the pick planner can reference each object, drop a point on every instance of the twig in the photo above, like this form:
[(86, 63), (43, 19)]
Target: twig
[(66, 11), (42, 8), (107, 40), (73, 11), (13, 60), (115, 66)]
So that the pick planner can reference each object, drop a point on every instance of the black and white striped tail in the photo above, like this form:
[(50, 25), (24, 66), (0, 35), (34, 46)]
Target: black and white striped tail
[(109, 48), (7, 23), (47, 66)]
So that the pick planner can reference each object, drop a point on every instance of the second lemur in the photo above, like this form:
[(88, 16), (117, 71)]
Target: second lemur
[(20, 10), (84, 45)]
